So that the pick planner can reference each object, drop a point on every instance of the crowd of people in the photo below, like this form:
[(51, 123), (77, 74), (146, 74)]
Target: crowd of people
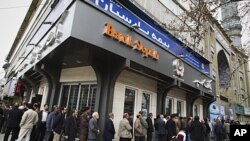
[(27, 122)]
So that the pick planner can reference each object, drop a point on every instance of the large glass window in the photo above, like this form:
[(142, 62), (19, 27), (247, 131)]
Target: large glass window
[(73, 96), (87, 96), (196, 110), (129, 101), (78, 96), (145, 104), (169, 106), (179, 108)]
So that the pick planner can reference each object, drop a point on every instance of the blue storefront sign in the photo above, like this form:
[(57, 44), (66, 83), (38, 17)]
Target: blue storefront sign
[(160, 37)]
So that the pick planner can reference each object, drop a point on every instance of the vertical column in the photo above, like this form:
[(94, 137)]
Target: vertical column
[(52, 74), (107, 69)]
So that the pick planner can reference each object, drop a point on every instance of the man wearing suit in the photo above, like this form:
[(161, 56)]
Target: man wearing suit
[(15, 116), (160, 128), (150, 129), (71, 126), (171, 126), (29, 119), (109, 131), (41, 124), (93, 127)]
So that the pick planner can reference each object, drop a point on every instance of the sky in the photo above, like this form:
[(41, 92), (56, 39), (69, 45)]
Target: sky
[(12, 13)]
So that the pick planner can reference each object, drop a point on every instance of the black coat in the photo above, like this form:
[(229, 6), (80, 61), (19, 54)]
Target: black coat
[(160, 127), (40, 116), (171, 128), (58, 123), (197, 131), (109, 130), (150, 125), (15, 116), (70, 128)]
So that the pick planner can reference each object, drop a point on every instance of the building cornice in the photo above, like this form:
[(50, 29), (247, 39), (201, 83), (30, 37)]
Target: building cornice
[(23, 27)]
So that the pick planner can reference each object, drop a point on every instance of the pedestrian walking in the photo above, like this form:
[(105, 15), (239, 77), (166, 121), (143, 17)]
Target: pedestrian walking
[(109, 130), (29, 119)]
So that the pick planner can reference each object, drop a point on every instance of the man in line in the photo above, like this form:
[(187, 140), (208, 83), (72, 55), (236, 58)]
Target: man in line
[(109, 131), (93, 127), (150, 127), (15, 116), (41, 124), (84, 124), (58, 124), (50, 121), (144, 126), (29, 119)]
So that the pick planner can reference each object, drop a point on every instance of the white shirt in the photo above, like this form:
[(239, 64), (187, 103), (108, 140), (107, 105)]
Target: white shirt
[(44, 116)]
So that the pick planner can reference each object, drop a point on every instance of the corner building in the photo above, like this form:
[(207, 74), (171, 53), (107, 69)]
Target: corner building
[(100, 54)]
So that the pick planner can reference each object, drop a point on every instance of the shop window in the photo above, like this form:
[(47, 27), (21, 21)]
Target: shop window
[(180, 108), (73, 97), (145, 104), (87, 96), (129, 101), (196, 110), (169, 106), (78, 96), (64, 95)]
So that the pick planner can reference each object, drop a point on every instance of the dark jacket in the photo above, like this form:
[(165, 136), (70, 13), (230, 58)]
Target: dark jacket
[(58, 123), (109, 130), (93, 129), (84, 124), (160, 127), (15, 116), (150, 126), (219, 131), (171, 128), (70, 128), (197, 131), (40, 115), (50, 120)]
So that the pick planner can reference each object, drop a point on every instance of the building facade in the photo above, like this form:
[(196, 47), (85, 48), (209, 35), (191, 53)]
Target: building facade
[(111, 56)]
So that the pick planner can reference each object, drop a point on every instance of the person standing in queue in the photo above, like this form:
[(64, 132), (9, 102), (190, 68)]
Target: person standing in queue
[(109, 130)]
